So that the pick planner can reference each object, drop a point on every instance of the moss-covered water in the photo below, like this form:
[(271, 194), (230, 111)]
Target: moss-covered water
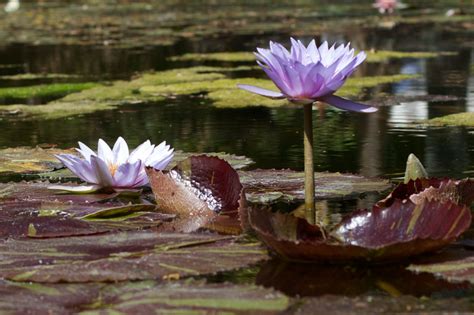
[(169, 72)]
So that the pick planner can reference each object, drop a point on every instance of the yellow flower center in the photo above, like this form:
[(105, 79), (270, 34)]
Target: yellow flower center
[(113, 168)]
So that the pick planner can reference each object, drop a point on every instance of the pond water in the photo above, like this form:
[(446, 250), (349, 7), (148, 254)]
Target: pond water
[(372, 145)]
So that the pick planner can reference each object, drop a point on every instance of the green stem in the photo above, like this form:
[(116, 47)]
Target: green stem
[(308, 164)]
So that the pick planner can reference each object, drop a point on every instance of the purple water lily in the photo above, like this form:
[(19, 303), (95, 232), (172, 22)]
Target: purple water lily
[(116, 167), (308, 74)]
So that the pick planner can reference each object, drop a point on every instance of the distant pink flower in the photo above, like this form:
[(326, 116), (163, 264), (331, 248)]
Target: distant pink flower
[(387, 6), (308, 74), (116, 167)]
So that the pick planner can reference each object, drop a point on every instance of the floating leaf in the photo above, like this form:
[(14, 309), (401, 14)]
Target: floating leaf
[(393, 229), (198, 189), (118, 212), (267, 186), (131, 255), (29, 160), (143, 297), (457, 269), (30, 209)]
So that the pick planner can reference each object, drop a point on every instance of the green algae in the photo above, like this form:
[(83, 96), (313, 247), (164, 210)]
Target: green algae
[(38, 76), (154, 87), (372, 56), (460, 119), (385, 55), (54, 90)]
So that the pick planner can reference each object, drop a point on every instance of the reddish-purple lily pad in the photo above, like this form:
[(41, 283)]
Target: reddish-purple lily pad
[(392, 230), (119, 256), (454, 269), (30, 209), (143, 297), (267, 186), (198, 189)]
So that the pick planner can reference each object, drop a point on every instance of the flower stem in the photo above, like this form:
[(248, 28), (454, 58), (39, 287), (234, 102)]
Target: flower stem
[(308, 164)]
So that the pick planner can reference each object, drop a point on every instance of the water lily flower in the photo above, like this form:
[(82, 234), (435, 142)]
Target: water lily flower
[(305, 75), (387, 6), (114, 168), (308, 74)]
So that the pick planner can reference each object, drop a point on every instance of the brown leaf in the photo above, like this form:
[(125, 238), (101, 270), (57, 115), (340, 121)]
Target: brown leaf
[(198, 189)]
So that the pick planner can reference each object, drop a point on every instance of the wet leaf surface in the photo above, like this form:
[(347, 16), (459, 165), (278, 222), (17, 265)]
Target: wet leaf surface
[(31, 209), (145, 297), (266, 186), (197, 189), (455, 268), (119, 256), (403, 225)]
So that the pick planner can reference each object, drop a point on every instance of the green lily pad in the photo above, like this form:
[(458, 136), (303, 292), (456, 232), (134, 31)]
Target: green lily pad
[(143, 297), (29, 160), (119, 256)]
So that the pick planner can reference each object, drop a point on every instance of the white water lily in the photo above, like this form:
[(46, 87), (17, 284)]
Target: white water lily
[(116, 167)]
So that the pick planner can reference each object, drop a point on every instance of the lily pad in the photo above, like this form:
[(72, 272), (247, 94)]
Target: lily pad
[(191, 297), (32, 210), (197, 189), (38, 162), (266, 186), (456, 269), (131, 255), (28, 160), (393, 229)]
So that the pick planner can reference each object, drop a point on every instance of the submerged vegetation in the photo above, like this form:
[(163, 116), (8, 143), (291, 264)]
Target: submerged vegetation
[(209, 81)]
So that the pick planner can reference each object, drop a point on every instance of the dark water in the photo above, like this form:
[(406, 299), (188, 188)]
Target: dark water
[(373, 145)]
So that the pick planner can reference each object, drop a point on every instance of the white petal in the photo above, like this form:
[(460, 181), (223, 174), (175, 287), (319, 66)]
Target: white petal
[(120, 151), (85, 151), (141, 152), (102, 172), (104, 152)]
